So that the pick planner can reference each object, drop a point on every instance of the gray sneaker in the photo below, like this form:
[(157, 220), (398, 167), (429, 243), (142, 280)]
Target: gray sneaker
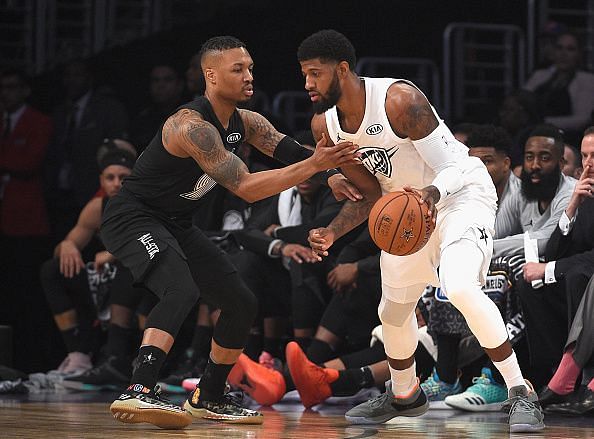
[(384, 407), (525, 413)]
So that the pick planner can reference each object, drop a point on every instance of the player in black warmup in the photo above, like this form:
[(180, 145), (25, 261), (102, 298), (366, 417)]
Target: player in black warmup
[(147, 226)]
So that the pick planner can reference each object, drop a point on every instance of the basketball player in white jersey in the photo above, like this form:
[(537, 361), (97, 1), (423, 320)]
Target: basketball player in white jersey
[(405, 145)]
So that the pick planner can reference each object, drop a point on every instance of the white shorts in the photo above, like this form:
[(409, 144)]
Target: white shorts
[(399, 272)]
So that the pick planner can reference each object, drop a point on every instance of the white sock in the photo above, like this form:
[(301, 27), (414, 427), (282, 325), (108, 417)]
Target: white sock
[(403, 381), (510, 370)]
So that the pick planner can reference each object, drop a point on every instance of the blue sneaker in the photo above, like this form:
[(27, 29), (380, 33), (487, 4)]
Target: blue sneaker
[(485, 395), (437, 390)]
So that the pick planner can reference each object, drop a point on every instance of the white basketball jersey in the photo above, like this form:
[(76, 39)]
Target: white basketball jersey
[(394, 161)]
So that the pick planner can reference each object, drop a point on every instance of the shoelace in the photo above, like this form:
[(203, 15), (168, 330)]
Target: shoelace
[(378, 401), (519, 404)]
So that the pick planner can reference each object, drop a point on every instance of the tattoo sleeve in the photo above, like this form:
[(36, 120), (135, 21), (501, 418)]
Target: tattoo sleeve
[(411, 115), (201, 140), (260, 132), (350, 216)]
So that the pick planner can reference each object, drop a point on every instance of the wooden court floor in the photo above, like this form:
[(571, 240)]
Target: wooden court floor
[(87, 416)]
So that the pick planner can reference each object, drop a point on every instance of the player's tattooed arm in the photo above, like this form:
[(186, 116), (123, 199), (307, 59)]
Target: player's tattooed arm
[(409, 112), (260, 132), (186, 133)]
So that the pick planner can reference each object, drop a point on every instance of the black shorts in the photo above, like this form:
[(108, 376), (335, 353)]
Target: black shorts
[(138, 236)]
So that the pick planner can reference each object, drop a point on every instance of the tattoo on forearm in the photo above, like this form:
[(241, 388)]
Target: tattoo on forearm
[(260, 132), (351, 215)]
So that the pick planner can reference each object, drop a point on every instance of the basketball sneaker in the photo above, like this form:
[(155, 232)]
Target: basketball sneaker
[(265, 385), (311, 381), (140, 404), (106, 376), (75, 363), (525, 412), (485, 395), (226, 409), (437, 390), (386, 406)]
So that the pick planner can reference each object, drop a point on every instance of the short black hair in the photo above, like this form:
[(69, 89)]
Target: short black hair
[(588, 131), (328, 45), (548, 130), (577, 157), (220, 43), (464, 128), (490, 136)]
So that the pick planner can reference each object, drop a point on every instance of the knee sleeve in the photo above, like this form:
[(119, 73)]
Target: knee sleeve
[(172, 282), (239, 307), (460, 281), (399, 328)]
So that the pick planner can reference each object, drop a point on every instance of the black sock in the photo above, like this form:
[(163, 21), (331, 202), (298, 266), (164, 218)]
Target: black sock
[(71, 339), (148, 365), (273, 346), (447, 357), (303, 342), (212, 383), (289, 384), (319, 351), (254, 346), (350, 381), (201, 341), (119, 341)]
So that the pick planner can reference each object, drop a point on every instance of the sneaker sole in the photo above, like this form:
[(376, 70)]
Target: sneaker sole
[(439, 405), (412, 413), (525, 428), (227, 419), (131, 412), (496, 407)]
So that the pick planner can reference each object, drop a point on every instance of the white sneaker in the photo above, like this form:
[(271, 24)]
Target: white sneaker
[(75, 364)]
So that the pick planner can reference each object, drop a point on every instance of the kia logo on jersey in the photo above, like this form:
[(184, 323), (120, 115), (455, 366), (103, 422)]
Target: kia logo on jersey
[(374, 129), (233, 138)]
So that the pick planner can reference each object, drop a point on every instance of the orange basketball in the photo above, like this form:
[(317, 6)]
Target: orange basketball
[(399, 223)]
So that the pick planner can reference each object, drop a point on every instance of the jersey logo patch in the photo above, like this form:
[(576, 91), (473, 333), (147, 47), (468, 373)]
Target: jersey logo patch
[(374, 129), (204, 184), (233, 138), (378, 160)]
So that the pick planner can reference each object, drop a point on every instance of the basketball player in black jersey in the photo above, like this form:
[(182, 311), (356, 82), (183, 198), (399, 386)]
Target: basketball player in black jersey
[(148, 227)]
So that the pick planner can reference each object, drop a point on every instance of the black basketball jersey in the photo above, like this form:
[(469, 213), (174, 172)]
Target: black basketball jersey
[(172, 185)]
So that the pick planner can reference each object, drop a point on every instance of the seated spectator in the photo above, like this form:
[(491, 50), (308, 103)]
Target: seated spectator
[(75, 290), (462, 130), (165, 90), (578, 357), (82, 120), (565, 90), (572, 162), (568, 266), (543, 197), (519, 113)]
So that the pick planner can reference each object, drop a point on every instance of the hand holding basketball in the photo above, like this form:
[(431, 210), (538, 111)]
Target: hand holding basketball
[(400, 222)]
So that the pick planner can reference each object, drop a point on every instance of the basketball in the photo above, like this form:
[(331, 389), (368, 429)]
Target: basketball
[(399, 223)]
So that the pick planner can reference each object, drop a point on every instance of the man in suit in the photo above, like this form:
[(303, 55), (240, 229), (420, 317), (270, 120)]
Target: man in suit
[(569, 265), (82, 121), (24, 136)]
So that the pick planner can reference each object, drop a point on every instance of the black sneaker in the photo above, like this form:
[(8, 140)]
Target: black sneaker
[(189, 368), (141, 404), (226, 409), (106, 376)]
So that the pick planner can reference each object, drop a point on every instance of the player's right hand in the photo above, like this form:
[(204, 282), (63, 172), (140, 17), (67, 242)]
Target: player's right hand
[(70, 260), (584, 188), (334, 156), (320, 240)]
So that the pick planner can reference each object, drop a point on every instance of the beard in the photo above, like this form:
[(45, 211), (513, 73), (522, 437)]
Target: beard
[(330, 100), (545, 189)]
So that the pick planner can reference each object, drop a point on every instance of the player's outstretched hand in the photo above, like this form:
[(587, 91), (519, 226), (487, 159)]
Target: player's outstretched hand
[(342, 188), (334, 156), (320, 240)]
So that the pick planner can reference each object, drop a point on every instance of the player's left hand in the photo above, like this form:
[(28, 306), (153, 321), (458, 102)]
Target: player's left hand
[(428, 195), (320, 240), (533, 271), (342, 188), (101, 259)]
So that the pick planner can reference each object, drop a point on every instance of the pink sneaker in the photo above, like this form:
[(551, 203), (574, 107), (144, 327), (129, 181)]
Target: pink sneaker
[(75, 364), (270, 362)]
